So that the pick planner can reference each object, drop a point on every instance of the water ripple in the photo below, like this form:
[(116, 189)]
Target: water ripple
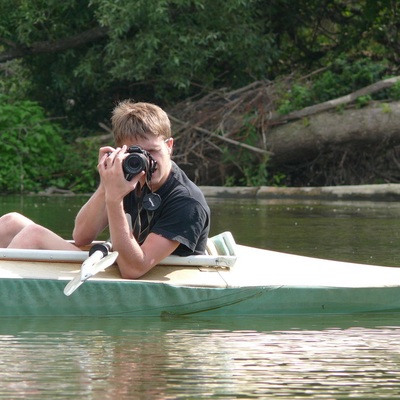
[(199, 359)]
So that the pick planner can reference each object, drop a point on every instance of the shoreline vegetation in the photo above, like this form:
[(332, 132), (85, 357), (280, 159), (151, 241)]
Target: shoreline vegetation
[(284, 94)]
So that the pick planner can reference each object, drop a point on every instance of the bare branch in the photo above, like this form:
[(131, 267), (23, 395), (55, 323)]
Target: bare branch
[(53, 46), (223, 138)]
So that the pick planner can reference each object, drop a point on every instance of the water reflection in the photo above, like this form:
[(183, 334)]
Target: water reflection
[(201, 358)]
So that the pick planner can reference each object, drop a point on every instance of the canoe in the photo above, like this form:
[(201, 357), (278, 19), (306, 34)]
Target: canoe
[(237, 281)]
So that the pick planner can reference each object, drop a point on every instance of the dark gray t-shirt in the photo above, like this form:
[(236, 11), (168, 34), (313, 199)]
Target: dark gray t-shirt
[(183, 214)]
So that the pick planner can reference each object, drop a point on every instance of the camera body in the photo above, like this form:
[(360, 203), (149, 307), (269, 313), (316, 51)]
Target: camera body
[(138, 160)]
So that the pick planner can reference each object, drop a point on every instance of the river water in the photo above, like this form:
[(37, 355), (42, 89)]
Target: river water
[(356, 356)]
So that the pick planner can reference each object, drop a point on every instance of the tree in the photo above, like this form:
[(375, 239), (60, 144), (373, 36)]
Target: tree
[(89, 53), (82, 55)]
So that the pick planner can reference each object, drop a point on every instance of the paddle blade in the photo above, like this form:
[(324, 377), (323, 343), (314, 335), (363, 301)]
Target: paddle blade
[(88, 266), (105, 262), (73, 285), (99, 266)]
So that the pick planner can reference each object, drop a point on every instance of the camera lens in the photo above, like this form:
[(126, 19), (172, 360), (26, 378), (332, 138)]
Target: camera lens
[(135, 163)]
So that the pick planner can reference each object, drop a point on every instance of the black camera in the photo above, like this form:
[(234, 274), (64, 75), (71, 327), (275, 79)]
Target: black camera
[(137, 161)]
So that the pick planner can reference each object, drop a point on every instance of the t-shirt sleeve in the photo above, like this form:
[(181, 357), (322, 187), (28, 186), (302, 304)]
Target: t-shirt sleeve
[(183, 220)]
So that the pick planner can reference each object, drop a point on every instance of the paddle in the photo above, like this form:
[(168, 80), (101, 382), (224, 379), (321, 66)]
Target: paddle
[(99, 259)]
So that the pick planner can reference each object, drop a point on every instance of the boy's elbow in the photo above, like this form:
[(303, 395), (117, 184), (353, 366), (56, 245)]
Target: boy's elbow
[(130, 274), (80, 240), (131, 271)]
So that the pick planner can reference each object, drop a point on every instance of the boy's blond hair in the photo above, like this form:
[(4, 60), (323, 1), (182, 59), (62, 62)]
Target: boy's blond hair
[(139, 120)]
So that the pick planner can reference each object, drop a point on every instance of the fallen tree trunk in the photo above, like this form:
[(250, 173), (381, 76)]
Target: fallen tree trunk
[(302, 140), (334, 103)]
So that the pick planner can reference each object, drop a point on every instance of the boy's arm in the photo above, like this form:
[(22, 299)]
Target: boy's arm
[(91, 220), (92, 217), (135, 260)]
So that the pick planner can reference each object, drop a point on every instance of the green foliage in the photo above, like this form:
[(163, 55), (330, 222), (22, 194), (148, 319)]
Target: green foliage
[(313, 33), (176, 44), (278, 179), (345, 76), (386, 109), (298, 97), (342, 77), (161, 50), (80, 167), (31, 147), (362, 101), (252, 166), (16, 80), (394, 91)]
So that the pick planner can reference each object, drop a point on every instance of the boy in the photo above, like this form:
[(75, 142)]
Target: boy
[(150, 214)]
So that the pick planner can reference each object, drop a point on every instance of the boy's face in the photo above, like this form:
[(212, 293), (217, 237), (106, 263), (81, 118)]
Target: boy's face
[(160, 149)]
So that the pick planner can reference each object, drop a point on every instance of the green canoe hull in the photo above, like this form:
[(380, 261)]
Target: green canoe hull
[(38, 297), (261, 282)]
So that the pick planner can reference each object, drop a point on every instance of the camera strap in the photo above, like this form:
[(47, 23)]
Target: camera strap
[(150, 202)]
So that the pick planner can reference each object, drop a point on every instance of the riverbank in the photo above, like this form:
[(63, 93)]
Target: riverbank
[(378, 192)]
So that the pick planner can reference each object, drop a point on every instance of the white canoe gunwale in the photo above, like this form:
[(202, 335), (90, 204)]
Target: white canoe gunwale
[(221, 252), (80, 256)]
